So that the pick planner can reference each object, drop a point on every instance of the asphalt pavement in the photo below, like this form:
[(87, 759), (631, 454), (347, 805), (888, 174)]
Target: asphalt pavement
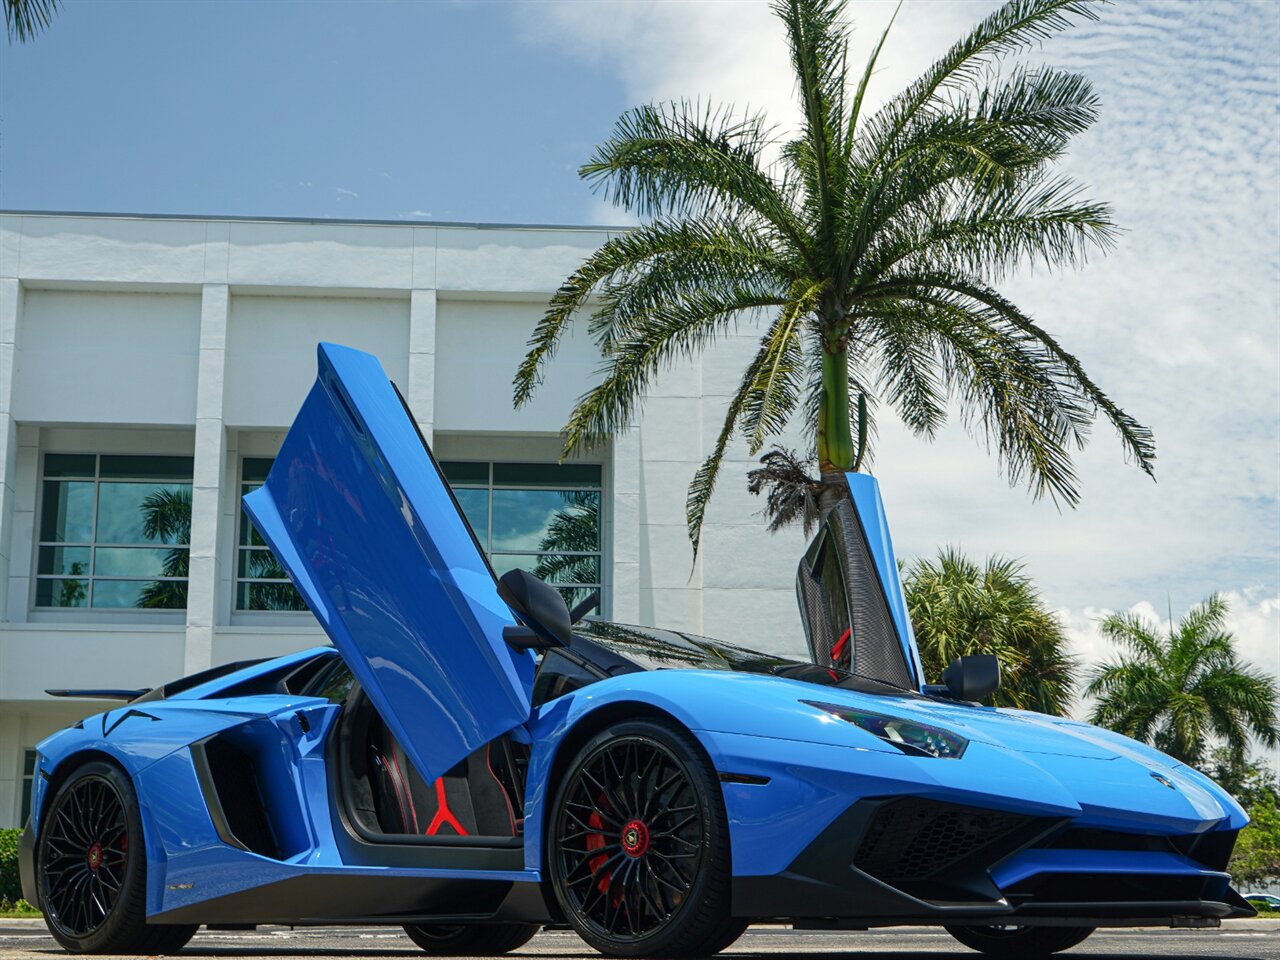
[(1241, 940)]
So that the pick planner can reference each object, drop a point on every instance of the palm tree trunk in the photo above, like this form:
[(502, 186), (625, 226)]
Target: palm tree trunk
[(835, 439)]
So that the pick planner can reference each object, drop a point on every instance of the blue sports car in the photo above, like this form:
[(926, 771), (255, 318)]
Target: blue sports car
[(472, 760)]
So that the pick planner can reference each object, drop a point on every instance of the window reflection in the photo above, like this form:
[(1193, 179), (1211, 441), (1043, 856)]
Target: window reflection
[(539, 517), (261, 583), (114, 532)]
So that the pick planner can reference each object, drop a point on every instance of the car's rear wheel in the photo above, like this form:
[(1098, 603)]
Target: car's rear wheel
[(1014, 942), (638, 845), (471, 940), (91, 868)]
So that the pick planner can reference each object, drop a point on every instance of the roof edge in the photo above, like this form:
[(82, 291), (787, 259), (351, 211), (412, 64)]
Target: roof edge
[(230, 218)]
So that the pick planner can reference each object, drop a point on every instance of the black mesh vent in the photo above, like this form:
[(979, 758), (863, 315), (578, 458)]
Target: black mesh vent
[(837, 587), (913, 839), (817, 622), (877, 650)]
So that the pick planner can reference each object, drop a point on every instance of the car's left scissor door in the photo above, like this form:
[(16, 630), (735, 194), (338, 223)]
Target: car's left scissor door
[(359, 514)]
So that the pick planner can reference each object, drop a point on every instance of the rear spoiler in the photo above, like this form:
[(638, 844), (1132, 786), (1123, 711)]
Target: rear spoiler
[(95, 694)]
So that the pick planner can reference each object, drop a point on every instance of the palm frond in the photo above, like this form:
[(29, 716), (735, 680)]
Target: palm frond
[(855, 111), (818, 41), (704, 480), (685, 158), (24, 19), (638, 271), (775, 393), (1014, 27), (675, 329)]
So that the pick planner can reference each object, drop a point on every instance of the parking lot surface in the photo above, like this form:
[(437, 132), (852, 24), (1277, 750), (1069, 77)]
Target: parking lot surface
[(1243, 940)]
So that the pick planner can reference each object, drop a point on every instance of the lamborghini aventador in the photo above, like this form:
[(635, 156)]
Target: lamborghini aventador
[(472, 760)]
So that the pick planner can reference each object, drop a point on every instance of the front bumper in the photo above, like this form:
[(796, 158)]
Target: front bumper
[(897, 860)]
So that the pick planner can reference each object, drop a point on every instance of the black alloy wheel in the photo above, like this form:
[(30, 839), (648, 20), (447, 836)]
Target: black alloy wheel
[(91, 868), (638, 846), (1012, 942)]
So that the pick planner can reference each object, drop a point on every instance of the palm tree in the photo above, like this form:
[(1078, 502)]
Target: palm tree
[(958, 608), (872, 245), (1180, 690), (575, 529), (23, 19), (166, 518)]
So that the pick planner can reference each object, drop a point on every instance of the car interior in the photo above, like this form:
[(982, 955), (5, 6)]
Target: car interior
[(480, 797)]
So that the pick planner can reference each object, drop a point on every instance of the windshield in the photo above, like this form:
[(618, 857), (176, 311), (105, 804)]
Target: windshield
[(652, 649)]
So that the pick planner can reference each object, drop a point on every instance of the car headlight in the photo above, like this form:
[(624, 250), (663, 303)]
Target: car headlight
[(909, 736)]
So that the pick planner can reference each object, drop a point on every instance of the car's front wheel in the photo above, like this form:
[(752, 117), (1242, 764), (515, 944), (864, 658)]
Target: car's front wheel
[(471, 940), (638, 844), (1015, 943), (91, 868)]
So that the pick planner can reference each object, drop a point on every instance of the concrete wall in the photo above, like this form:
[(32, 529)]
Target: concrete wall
[(191, 336)]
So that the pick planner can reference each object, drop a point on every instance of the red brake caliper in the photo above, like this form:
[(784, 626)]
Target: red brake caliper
[(594, 842)]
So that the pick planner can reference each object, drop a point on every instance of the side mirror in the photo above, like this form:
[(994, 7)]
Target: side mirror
[(969, 678), (540, 608)]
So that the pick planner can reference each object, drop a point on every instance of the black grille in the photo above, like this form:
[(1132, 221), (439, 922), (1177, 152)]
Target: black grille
[(914, 839), (1113, 888)]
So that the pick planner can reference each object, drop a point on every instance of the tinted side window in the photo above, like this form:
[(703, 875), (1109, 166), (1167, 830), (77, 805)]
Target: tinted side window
[(558, 675), (831, 576), (333, 684)]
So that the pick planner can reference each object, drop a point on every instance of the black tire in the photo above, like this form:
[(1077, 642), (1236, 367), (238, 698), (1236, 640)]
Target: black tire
[(729, 934), (472, 940), (1015, 943), (638, 831), (92, 879)]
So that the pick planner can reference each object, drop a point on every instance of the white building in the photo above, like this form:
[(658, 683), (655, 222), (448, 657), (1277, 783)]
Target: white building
[(148, 360)]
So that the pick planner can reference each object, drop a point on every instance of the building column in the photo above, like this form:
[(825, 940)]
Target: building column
[(420, 392), (206, 485), (10, 309), (624, 525)]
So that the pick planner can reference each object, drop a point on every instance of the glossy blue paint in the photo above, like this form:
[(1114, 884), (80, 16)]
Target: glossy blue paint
[(865, 491), (362, 519), (1028, 863), (358, 513), (818, 765)]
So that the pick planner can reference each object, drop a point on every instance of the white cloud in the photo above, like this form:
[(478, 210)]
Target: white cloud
[(342, 193)]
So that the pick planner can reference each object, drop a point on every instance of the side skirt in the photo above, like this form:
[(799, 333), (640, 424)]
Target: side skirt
[(337, 899)]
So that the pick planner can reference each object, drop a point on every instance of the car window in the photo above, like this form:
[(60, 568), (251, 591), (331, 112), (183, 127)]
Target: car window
[(333, 684)]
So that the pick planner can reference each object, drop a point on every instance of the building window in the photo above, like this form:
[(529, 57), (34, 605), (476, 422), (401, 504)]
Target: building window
[(115, 532), (261, 583), (540, 517), (28, 779)]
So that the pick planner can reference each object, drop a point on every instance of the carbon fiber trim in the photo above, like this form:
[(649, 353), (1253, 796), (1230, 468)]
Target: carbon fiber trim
[(877, 651)]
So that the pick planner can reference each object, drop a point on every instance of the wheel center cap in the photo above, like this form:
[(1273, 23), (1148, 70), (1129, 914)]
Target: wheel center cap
[(635, 838), (94, 856)]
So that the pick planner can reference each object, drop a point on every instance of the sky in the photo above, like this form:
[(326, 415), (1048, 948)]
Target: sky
[(482, 111)]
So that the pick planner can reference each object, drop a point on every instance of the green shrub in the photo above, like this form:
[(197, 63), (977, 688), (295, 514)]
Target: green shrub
[(10, 883)]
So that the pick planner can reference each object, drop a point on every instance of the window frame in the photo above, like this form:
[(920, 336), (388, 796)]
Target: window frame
[(39, 613), (239, 547), (485, 538)]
